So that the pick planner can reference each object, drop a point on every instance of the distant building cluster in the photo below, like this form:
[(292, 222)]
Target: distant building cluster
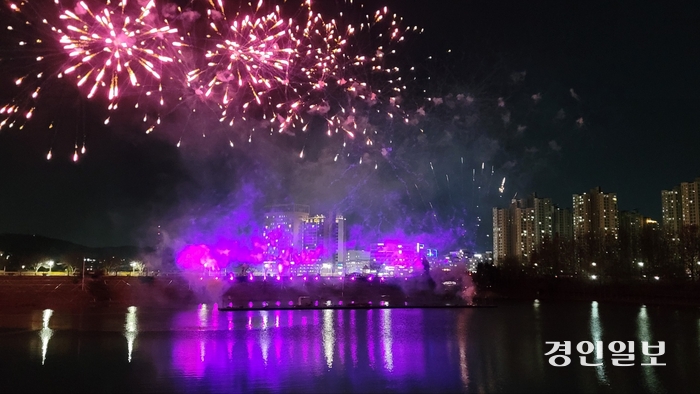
[(301, 244), (520, 229)]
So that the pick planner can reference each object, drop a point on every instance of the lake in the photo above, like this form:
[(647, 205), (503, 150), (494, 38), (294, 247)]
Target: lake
[(201, 349)]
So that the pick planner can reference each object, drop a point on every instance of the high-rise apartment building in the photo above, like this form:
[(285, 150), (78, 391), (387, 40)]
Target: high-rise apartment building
[(681, 206), (671, 214), (562, 223), (690, 206), (519, 229), (502, 234), (595, 213)]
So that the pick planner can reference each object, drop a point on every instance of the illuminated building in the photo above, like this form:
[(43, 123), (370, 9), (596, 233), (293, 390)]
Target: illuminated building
[(502, 224), (595, 213), (519, 229), (681, 206), (336, 244), (313, 250), (562, 223), (357, 261), (283, 233), (690, 205), (322, 246), (396, 259), (672, 217)]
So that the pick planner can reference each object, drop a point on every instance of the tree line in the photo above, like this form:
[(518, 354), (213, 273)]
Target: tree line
[(650, 254)]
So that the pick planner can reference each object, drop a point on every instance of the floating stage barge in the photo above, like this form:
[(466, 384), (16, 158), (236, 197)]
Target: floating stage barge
[(351, 306), (348, 307)]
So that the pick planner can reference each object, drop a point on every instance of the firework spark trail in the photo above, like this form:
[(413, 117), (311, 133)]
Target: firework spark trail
[(33, 57)]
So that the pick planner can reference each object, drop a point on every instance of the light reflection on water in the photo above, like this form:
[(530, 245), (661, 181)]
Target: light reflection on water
[(386, 339), (328, 336), (131, 330), (644, 333), (501, 349), (597, 335), (462, 341), (45, 333)]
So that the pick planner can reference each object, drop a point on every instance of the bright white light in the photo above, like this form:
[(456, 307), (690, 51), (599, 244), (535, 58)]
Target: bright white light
[(656, 277), (594, 277), (640, 264)]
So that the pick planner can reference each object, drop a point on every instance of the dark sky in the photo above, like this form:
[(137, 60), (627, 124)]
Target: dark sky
[(635, 67)]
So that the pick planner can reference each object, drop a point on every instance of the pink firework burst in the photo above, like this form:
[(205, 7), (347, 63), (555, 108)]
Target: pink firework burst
[(114, 43)]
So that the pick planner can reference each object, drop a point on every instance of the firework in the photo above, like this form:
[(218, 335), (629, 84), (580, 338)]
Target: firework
[(279, 65), (285, 67), (29, 64), (106, 48), (114, 43)]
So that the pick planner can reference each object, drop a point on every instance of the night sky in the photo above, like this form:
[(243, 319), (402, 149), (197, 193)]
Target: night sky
[(634, 67)]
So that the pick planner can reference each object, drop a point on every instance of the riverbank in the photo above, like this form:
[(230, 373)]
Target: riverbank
[(177, 291), (74, 293)]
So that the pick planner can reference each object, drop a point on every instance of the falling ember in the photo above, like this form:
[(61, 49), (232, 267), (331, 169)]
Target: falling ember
[(75, 156), (503, 186), (49, 155)]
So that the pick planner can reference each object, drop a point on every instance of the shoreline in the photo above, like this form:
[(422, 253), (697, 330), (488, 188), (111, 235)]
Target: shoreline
[(23, 293), (649, 299)]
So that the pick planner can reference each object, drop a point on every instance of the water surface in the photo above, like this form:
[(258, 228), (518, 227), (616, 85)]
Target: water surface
[(404, 350)]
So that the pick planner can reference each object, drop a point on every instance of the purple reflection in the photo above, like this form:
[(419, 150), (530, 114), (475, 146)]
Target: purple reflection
[(340, 337), (277, 339), (305, 343), (247, 345), (387, 340), (353, 336), (186, 357), (370, 338)]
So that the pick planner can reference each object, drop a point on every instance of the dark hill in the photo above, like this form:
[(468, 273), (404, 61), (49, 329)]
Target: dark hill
[(37, 245)]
